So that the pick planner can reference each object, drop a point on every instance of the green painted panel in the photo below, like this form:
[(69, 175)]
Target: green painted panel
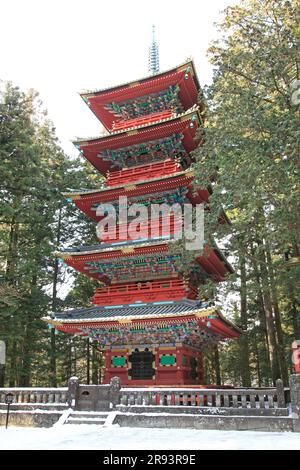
[(119, 361), (168, 360)]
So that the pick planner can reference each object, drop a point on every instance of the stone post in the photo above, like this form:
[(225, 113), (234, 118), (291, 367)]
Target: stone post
[(115, 387), (280, 394), (295, 400), (73, 389)]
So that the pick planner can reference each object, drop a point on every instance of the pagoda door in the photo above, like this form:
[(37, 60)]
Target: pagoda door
[(141, 365)]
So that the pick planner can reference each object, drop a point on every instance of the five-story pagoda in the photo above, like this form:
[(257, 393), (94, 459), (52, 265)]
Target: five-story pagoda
[(146, 314)]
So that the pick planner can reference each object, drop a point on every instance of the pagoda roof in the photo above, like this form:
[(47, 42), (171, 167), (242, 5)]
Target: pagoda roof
[(86, 200), (139, 311), (96, 149), (98, 100), (134, 311), (193, 316), (104, 261)]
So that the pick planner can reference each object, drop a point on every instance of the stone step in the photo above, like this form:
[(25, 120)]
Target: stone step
[(90, 417), (85, 421), (88, 414)]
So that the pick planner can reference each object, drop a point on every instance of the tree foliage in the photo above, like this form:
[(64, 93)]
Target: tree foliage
[(251, 157), (35, 220)]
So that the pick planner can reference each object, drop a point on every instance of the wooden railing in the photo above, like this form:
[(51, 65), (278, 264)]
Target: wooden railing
[(162, 228), (173, 289), (35, 395), (141, 286), (142, 121), (152, 170), (235, 398)]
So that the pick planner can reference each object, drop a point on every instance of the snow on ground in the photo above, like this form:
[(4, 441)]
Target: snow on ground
[(115, 437)]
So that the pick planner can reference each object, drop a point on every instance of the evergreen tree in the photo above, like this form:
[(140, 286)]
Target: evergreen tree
[(252, 145), (35, 220)]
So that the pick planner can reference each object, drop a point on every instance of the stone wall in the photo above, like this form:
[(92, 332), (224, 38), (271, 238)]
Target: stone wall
[(35, 418), (228, 423)]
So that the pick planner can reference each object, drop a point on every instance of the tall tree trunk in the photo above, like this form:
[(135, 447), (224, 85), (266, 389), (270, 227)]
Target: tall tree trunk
[(273, 345), (53, 353), (52, 375), (244, 343), (95, 364), (12, 253), (264, 344), (69, 359), (25, 371), (2, 375), (88, 361), (278, 322), (27, 320), (216, 362), (294, 315), (257, 361), (101, 365), (13, 363), (10, 276), (293, 305), (74, 360)]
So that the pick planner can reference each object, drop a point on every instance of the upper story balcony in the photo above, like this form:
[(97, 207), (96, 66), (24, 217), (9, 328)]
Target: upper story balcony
[(145, 172), (150, 291), (147, 120)]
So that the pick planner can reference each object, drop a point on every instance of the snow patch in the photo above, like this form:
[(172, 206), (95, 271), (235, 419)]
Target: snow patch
[(96, 437), (63, 418), (110, 419)]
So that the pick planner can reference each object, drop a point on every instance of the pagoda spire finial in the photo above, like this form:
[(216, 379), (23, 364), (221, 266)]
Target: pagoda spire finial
[(153, 64)]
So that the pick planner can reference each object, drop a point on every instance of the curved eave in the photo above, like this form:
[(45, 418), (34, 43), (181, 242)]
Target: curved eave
[(201, 313), (91, 148), (210, 260), (109, 135), (86, 201), (219, 325), (128, 187), (98, 99), (129, 248), (239, 331), (225, 261), (114, 191)]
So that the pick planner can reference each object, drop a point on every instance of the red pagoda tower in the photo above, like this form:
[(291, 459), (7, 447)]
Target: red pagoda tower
[(146, 313)]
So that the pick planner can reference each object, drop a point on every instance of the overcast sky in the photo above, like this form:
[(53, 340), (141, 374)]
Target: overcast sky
[(61, 47)]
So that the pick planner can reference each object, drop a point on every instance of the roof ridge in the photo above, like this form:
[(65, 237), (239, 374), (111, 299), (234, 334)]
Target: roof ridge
[(184, 306), (147, 77), (110, 247)]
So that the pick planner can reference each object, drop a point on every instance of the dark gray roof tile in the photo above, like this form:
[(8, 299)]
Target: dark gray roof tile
[(154, 308)]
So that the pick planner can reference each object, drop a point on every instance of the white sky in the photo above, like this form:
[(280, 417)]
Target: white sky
[(61, 47)]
